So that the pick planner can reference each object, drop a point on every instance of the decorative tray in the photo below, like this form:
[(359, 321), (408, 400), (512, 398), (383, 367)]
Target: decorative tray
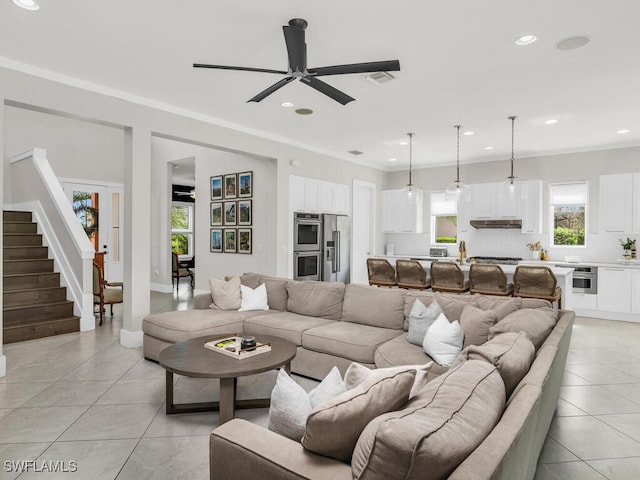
[(230, 346)]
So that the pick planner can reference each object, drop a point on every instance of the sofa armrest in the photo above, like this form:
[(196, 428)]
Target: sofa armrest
[(202, 301), (239, 449)]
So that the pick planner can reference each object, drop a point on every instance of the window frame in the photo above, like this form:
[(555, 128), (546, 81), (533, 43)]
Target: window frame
[(552, 213), (189, 232)]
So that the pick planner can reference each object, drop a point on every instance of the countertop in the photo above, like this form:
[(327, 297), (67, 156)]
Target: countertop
[(562, 263)]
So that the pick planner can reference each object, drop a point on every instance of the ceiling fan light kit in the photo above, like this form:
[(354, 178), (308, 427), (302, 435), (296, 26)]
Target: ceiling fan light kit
[(294, 37)]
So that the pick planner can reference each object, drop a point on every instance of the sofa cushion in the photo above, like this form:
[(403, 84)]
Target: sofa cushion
[(357, 374), (475, 324), (398, 351), (347, 340), (291, 404), (501, 306), (316, 299), (276, 292), (185, 324), (436, 430), (537, 323), (225, 294), (512, 354), (373, 306), (420, 319), (349, 413), (287, 325), (443, 340), (453, 305)]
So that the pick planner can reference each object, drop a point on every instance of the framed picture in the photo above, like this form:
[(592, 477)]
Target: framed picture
[(245, 183), (230, 186), (244, 240), (230, 240), (216, 240), (245, 214), (216, 188), (216, 214), (230, 213)]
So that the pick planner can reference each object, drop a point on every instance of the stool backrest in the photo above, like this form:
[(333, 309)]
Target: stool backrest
[(446, 274), (486, 276), (380, 270), (534, 280), (411, 272)]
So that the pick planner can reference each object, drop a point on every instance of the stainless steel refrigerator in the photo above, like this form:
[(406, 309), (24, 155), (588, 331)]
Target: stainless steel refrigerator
[(336, 247)]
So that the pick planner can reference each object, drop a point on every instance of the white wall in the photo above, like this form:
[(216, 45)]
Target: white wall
[(586, 166)]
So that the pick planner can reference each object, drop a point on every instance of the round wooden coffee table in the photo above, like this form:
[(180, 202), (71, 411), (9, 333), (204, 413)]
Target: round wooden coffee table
[(190, 358)]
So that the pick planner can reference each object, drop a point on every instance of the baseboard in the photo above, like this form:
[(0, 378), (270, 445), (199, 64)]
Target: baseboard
[(162, 288), (131, 339)]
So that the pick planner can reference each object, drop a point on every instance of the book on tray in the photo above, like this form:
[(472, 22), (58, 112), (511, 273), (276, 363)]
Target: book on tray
[(232, 347)]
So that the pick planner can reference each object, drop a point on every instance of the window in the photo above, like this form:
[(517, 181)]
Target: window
[(182, 229), (568, 213), (444, 219)]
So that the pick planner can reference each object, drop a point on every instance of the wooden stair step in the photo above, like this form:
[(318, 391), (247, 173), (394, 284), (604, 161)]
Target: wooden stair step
[(22, 314), (25, 281), (16, 216), (11, 267), (19, 227), (40, 329), (21, 239), (25, 252), (34, 295)]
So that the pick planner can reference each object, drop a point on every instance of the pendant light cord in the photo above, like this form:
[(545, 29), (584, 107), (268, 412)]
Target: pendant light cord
[(410, 157), (513, 121), (458, 127)]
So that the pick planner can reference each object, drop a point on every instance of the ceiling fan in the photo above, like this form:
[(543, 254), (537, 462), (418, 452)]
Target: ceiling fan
[(297, 51)]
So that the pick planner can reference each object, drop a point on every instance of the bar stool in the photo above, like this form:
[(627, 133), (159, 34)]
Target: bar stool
[(448, 277), (411, 274), (537, 282), (489, 279), (381, 272)]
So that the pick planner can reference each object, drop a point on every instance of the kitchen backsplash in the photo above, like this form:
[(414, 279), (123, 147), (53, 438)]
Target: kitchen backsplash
[(513, 243)]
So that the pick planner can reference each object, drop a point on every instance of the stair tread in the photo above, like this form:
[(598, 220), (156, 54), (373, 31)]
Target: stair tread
[(40, 322), (32, 289), (24, 246), (7, 308), (27, 259)]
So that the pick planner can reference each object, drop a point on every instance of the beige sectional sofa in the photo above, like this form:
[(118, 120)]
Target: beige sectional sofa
[(333, 324)]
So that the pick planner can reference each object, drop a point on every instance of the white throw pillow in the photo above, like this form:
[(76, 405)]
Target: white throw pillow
[(291, 404), (225, 294), (443, 341), (357, 374), (420, 319), (253, 298)]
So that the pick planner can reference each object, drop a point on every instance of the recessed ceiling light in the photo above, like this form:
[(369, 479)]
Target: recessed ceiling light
[(623, 131), (304, 111), (469, 133), (27, 4), (573, 43), (526, 39), (393, 159), (489, 147), (551, 121), (286, 104)]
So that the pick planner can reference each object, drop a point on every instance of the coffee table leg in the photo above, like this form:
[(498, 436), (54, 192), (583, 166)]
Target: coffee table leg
[(287, 368), (227, 399), (169, 393)]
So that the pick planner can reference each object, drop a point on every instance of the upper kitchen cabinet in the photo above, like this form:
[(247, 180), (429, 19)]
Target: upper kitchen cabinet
[(402, 213), (620, 203), (531, 194), (317, 196), (493, 201)]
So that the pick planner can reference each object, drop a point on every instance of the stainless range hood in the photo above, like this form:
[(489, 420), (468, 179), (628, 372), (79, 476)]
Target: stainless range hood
[(496, 223)]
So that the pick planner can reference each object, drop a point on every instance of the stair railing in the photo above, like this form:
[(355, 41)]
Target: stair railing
[(35, 188)]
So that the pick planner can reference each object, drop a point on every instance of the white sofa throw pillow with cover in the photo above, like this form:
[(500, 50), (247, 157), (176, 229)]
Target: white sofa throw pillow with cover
[(443, 341), (254, 298), (420, 319)]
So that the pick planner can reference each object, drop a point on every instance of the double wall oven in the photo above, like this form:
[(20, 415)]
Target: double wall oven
[(307, 246)]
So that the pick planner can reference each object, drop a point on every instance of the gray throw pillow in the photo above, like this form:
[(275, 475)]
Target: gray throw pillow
[(420, 319)]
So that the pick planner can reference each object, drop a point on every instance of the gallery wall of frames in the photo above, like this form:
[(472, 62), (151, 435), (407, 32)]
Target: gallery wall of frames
[(232, 213)]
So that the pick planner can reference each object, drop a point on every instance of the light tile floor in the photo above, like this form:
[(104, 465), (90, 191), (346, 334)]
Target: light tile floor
[(82, 397)]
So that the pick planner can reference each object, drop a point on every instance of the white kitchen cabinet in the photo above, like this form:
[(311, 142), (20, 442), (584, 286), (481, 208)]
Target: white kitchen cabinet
[(616, 203), (531, 194), (636, 204), (509, 204), (614, 289), (401, 213), (583, 301), (635, 290), (484, 201), (318, 196), (465, 211)]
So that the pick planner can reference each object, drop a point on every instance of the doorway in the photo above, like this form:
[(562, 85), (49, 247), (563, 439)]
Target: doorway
[(98, 208), (364, 229)]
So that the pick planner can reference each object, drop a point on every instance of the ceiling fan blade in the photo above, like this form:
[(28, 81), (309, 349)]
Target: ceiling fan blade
[(265, 93), (385, 66), (327, 89), (296, 48), (245, 69)]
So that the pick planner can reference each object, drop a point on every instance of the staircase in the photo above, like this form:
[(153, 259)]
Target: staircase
[(34, 303)]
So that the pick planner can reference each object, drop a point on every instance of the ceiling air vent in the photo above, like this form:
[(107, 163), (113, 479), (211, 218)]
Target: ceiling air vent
[(379, 77), (355, 152)]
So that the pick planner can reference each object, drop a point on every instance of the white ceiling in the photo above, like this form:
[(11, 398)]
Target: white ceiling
[(458, 58)]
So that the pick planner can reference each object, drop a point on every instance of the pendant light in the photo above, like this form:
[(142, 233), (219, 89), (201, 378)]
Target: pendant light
[(455, 189), (409, 187), (511, 179)]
